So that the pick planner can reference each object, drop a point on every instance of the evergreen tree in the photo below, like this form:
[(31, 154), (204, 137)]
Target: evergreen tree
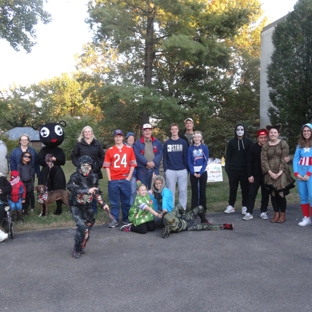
[(290, 72)]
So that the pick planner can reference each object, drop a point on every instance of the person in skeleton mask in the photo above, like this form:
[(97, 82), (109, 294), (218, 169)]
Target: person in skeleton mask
[(83, 187), (236, 167)]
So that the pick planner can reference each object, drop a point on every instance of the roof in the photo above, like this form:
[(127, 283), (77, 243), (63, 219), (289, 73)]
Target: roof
[(15, 133)]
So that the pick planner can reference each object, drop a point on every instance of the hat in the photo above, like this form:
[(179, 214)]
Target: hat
[(309, 125), (147, 126), (129, 134), (190, 119), (118, 132), (14, 174), (277, 127), (262, 132)]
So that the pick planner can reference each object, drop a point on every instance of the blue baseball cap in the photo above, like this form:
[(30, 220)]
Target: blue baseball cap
[(118, 132)]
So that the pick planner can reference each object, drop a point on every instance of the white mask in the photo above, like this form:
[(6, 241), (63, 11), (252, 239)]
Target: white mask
[(85, 169), (240, 131)]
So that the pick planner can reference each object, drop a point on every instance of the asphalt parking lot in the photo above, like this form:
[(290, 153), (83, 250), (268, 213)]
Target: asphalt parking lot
[(257, 267)]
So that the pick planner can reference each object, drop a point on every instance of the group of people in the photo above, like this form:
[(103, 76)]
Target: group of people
[(264, 165), (146, 197)]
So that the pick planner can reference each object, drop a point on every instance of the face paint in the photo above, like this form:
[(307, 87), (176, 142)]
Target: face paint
[(85, 169), (240, 131)]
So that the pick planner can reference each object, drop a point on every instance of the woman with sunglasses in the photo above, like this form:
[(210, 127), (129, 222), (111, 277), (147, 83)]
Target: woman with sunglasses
[(15, 160)]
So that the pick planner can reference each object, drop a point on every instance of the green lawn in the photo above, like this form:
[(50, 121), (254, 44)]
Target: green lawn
[(217, 200)]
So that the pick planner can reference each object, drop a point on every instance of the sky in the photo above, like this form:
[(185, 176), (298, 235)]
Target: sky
[(60, 40)]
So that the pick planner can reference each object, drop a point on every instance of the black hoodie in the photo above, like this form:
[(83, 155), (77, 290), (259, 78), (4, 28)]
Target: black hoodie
[(236, 152)]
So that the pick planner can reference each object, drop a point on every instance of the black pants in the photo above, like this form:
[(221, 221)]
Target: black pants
[(279, 203), (144, 227), (235, 178), (198, 186), (253, 191)]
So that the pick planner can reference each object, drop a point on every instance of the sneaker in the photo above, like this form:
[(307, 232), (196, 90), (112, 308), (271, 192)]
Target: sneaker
[(126, 222), (205, 222), (113, 224), (229, 209), (244, 210), (75, 254), (3, 236), (247, 216), (126, 227), (305, 221), (228, 226), (264, 216)]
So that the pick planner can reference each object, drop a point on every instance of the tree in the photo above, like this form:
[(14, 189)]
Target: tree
[(17, 21), (290, 72), (173, 56)]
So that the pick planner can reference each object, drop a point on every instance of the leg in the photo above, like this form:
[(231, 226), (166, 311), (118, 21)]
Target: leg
[(80, 231), (202, 191), (125, 193), (264, 197), (141, 175), (205, 227), (114, 198), (253, 191), (133, 190), (182, 187), (233, 183), (275, 208), (244, 187), (141, 229), (171, 180), (194, 187)]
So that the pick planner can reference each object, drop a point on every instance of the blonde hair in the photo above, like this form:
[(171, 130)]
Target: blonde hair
[(198, 133), (23, 135), (81, 136)]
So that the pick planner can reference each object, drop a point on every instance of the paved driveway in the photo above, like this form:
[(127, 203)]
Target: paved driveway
[(257, 267)]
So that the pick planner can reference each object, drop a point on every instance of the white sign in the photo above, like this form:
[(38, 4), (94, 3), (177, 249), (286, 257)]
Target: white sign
[(214, 173)]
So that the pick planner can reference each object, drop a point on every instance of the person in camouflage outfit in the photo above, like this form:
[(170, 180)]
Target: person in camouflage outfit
[(178, 220)]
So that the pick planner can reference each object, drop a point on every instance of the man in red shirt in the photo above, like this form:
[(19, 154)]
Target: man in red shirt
[(119, 163)]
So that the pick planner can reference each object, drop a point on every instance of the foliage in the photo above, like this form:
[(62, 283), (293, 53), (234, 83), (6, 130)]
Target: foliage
[(203, 57), (290, 72), (17, 21)]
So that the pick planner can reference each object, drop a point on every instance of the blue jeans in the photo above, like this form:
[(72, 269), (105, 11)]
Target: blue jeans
[(146, 176), (119, 192), (133, 190)]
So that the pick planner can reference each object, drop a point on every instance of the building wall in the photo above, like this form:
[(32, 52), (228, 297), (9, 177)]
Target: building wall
[(267, 50)]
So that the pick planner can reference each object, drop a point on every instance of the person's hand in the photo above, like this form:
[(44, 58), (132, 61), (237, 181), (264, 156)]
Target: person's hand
[(299, 177), (53, 158), (23, 201), (251, 179), (150, 164), (105, 207), (287, 159), (92, 190), (306, 178)]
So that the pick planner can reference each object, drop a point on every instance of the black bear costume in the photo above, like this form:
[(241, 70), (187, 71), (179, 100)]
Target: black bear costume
[(51, 158)]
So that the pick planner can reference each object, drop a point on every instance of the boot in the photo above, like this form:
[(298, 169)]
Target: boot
[(20, 216), (276, 217), (282, 217)]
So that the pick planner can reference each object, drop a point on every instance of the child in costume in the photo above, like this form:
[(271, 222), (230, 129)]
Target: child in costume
[(178, 220), (83, 187), (18, 195), (141, 213)]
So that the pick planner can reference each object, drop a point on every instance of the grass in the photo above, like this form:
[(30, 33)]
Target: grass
[(217, 201)]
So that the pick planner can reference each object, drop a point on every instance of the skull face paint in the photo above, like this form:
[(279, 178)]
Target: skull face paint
[(85, 169), (240, 131)]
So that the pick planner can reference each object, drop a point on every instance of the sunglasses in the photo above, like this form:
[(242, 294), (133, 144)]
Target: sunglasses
[(26, 156)]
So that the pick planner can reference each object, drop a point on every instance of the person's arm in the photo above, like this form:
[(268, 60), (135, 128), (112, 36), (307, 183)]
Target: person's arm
[(153, 212), (75, 154), (190, 160), (185, 149), (165, 159), (228, 155), (158, 156), (108, 174), (13, 160), (138, 154), (167, 200), (59, 157), (250, 160), (206, 157)]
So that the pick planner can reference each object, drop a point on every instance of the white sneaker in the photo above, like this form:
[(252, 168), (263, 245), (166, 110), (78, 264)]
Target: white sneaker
[(247, 216), (264, 216), (244, 210), (305, 221), (229, 209), (3, 236)]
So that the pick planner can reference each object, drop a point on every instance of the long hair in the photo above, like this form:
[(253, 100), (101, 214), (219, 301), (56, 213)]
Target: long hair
[(81, 134), (302, 141)]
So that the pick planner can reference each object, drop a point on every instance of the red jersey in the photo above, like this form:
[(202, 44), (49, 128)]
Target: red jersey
[(119, 161)]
